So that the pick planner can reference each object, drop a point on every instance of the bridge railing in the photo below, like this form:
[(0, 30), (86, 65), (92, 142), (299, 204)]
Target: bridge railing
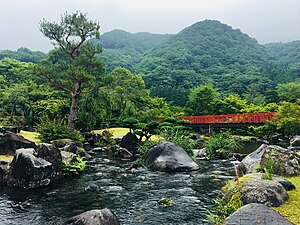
[(232, 118)]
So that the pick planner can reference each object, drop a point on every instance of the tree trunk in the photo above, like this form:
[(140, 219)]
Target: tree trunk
[(74, 106)]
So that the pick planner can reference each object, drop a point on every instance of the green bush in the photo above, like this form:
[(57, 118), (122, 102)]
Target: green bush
[(224, 208), (50, 130), (73, 169), (143, 149), (221, 146), (179, 137)]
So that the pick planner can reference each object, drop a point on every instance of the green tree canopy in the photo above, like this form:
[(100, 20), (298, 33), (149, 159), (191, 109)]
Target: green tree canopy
[(289, 92), (73, 66), (203, 100)]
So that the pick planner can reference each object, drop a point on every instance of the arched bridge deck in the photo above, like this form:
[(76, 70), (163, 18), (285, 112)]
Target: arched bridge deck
[(232, 120)]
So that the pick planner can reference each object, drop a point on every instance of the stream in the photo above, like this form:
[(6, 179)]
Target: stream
[(132, 195)]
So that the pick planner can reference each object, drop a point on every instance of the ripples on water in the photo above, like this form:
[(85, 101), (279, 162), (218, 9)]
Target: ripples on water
[(131, 195)]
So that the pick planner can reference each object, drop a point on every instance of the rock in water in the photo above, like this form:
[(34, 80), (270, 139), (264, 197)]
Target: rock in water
[(27, 171), (51, 154), (130, 142), (94, 217), (169, 157), (257, 214)]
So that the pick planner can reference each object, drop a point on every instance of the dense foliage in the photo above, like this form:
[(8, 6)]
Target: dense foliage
[(221, 146), (206, 52), (141, 79)]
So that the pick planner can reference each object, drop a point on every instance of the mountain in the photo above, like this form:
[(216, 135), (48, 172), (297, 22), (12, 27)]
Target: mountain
[(287, 52), (207, 52), (142, 41), (23, 55), (124, 49)]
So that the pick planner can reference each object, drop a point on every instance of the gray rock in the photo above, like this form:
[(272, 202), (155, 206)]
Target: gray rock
[(267, 192), (130, 142), (4, 166), (284, 162), (295, 141), (68, 157), (256, 214), (94, 217), (27, 171), (10, 142), (169, 157), (288, 186), (251, 161), (51, 154)]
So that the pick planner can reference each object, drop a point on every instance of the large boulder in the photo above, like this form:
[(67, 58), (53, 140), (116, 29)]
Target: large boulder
[(268, 192), (130, 142), (27, 171), (289, 186), (53, 155), (282, 161), (169, 157), (10, 141), (94, 217), (257, 214), (251, 161)]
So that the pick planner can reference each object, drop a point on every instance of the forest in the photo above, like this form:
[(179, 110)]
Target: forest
[(100, 81)]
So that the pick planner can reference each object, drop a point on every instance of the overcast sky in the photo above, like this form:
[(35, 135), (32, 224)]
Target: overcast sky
[(265, 20)]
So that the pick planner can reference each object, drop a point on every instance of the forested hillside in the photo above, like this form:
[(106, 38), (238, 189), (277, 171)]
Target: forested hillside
[(123, 49), (207, 68), (23, 55)]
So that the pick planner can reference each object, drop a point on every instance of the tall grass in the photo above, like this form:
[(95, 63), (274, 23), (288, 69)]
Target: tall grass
[(221, 146)]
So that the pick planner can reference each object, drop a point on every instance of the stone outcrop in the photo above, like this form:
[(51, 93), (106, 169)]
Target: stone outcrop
[(169, 157), (94, 217), (257, 214), (284, 162), (10, 142), (27, 171)]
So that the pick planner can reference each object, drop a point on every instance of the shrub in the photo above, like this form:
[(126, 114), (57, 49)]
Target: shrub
[(179, 137), (74, 168), (50, 130), (224, 208), (221, 146)]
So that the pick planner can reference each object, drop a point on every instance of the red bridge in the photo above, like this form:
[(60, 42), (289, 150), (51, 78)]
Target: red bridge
[(247, 119)]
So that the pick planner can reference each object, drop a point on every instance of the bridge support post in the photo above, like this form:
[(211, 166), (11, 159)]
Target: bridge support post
[(209, 129)]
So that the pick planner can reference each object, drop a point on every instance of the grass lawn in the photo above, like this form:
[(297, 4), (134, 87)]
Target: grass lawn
[(291, 209), (116, 131), (121, 131), (31, 136), (6, 157)]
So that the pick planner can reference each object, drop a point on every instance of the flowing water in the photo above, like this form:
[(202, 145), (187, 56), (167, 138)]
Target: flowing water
[(131, 195)]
